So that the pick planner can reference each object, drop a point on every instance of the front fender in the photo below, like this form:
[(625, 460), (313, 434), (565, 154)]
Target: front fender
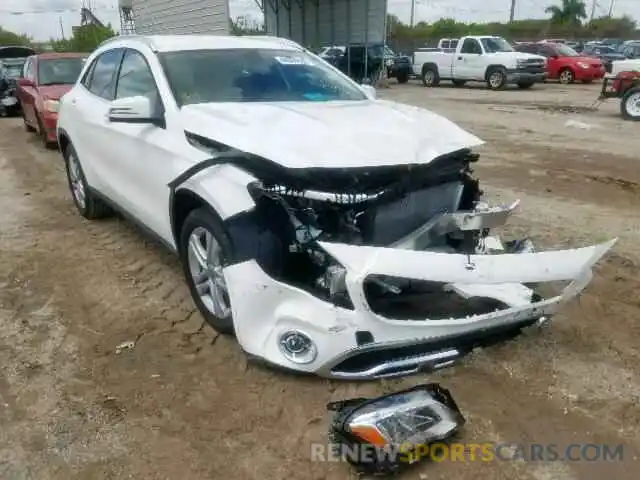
[(223, 187)]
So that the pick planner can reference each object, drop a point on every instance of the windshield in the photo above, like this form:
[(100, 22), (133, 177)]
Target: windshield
[(254, 75), (496, 44), (59, 71), (13, 71), (12, 67), (566, 51)]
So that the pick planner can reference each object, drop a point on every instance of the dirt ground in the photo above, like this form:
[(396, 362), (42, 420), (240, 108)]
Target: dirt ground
[(184, 404)]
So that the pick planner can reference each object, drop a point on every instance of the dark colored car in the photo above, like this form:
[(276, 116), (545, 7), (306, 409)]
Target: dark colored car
[(12, 60), (365, 62), (606, 54), (47, 77), (631, 50)]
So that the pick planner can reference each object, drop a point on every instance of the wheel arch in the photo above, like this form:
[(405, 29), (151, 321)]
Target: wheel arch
[(63, 140), (492, 67), (428, 65)]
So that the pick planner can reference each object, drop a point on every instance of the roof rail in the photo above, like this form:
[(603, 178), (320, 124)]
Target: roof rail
[(120, 37)]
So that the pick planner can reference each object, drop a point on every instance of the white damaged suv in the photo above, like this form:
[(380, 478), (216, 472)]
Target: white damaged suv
[(331, 232)]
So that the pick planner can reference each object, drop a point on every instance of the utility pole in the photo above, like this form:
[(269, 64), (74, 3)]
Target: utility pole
[(611, 5), (413, 12), (513, 11), (593, 10)]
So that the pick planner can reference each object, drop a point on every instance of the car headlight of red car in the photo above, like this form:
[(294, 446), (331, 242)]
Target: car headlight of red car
[(51, 106)]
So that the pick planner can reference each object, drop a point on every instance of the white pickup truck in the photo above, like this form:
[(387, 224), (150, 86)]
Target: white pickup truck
[(479, 58)]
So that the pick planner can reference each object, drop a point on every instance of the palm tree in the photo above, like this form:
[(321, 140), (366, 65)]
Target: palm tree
[(572, 12)]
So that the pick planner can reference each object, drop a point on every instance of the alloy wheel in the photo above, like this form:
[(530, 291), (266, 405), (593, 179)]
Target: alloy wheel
[(76, 180), (206, 269)]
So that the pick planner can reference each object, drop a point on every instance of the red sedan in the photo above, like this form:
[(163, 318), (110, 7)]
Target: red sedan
[(564, 63), (47, 77)]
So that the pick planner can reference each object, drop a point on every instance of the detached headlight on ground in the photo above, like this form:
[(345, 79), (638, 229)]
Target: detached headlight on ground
[(379, 435)]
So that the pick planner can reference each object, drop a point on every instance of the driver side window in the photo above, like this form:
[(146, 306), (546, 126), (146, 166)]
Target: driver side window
[(471, 45)]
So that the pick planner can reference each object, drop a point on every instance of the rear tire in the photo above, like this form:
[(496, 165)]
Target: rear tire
[(630, 105), (430, 77), (88, 204), (402, 77), (205, 248)]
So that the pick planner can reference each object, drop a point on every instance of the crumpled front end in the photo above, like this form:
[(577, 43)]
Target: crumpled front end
[(417, 303)]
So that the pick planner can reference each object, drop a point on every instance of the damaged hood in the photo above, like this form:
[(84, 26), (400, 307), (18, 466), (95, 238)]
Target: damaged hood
[(329, 134)]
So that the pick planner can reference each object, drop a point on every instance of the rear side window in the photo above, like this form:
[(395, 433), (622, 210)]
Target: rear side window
[(102, 79)]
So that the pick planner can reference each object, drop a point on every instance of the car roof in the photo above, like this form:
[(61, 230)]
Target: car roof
[(47, 55), (177, 43)]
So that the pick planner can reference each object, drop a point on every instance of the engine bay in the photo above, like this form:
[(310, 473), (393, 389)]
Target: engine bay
[(370, 208)]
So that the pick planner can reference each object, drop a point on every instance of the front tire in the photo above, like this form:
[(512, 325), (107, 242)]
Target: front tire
[(567, 76), (402, 77), (205, 249), (630, 105), (88, 204), (497, 78)]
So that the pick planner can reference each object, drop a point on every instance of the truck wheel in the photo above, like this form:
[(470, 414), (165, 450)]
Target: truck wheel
[(497, 78), (430, 77), (402, 77), (459, 83), (630, 105), (566, 76), (525, 85)]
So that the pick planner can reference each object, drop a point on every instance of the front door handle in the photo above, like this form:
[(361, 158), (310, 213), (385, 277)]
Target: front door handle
[(459, 58)]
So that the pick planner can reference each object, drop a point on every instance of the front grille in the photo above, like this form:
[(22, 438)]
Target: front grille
[(533, 68), (397, 219)]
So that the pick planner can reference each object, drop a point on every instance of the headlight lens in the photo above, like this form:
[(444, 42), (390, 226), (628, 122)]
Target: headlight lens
[(394, 425), (583, 65), (52, 106)]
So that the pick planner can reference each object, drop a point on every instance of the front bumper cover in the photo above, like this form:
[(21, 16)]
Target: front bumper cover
[(361, 344)]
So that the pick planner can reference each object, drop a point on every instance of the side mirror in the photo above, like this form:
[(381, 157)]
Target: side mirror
[(369, 91), (138, 109), (25, 82)]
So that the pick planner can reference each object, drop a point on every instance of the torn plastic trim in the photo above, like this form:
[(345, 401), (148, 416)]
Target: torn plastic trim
[(480, 219), (277, 307), (470, 269)]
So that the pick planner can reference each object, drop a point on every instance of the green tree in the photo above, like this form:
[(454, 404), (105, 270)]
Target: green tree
[(85, 39), (245, 26), (11, 38), (572, 12)]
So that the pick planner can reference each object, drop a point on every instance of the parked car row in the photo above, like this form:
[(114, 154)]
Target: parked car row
[(33, 85), (362, 62)]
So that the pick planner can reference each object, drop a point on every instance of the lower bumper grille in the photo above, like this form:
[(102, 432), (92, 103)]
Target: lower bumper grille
[(387, 362)]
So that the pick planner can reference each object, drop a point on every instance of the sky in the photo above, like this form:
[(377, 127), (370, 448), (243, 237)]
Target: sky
[(45, 19)]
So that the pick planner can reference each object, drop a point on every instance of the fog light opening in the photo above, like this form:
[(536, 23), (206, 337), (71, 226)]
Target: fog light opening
[(297, 347)]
